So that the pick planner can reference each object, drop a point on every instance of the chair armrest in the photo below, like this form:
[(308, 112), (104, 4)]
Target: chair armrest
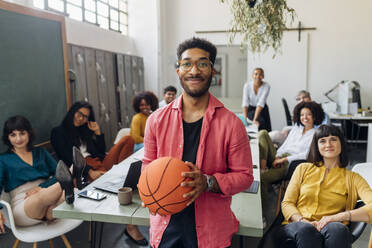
[(357, 228)]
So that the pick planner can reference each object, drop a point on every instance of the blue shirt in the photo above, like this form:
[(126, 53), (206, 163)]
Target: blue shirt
[(15, 172)]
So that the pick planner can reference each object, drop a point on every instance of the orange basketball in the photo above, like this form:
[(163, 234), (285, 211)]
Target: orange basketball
[(159, 186)]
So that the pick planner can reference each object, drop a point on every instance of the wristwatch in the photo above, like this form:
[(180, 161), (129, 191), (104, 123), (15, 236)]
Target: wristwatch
[(209, 182)]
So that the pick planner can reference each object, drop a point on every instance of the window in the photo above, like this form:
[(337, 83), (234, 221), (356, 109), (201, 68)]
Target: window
[(108, 14)]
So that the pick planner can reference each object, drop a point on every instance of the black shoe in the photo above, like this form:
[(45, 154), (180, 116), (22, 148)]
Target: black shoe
[(79, 164), (64, 178), (141, 242)]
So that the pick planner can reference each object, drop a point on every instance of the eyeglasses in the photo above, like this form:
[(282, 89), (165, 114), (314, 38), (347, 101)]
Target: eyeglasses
[(201, 64), (82, 116)]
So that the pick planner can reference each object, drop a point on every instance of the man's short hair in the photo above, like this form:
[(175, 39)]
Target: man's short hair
[(198, 43), (260, 69), (304, 92), (170, 88)]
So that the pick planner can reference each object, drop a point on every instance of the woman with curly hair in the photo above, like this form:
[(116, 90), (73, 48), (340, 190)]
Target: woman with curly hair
[(143, 104), (274, 163)]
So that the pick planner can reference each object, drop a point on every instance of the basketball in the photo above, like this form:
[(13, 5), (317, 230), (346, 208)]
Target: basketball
[(159, 186)]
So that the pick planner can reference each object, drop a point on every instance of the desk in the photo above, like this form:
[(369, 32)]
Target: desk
[(355, 120), (246, 206)]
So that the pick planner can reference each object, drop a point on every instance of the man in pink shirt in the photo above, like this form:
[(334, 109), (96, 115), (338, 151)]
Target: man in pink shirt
[(197, 128)]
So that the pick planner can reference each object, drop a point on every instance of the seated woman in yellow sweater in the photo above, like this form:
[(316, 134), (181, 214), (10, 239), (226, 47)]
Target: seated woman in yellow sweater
[(143, 104), (321, 196)]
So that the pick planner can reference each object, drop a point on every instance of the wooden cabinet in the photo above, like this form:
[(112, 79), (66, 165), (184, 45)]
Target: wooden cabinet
[(108, 81)]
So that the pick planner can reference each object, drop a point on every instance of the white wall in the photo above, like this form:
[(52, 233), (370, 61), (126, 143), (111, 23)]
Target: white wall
[(180, 20), (339, 48), (144, 29), (89, 35), (236, 63)]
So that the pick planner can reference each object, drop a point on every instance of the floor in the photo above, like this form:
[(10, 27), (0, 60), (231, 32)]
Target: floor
[(114, 237)]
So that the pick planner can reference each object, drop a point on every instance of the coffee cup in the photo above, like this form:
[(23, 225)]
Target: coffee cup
[(125, 195)]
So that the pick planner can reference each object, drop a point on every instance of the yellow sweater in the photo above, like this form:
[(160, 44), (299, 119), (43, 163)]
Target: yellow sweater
[(137, 127), (338, 192)]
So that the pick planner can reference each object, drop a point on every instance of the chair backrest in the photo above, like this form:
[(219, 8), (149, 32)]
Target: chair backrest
[(7, 210), (369, 143), (365, 170), (122, 132), (287, 112)]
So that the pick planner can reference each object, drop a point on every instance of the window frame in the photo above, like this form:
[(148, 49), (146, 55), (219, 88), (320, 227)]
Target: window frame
[(120, 23)]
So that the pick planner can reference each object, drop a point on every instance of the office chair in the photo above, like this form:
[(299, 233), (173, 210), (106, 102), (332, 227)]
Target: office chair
[(284, 182), (287, 112), (36, 233), (356, 229), (365, 170)]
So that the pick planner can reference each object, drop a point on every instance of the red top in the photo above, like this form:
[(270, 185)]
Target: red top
[(223, 152)]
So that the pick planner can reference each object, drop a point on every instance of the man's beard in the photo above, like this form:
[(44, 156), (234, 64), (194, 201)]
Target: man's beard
[(197, 93)]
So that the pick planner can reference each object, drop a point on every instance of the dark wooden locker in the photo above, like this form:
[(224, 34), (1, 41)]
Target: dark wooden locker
[(78, 64), (112, 85), (141, 74), (122, 88), (103, 102), (91, 76), (135, 78), (129, 85)]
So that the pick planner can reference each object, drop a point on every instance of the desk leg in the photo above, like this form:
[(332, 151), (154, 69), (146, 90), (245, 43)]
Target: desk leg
[(100, 235), (93, 241)]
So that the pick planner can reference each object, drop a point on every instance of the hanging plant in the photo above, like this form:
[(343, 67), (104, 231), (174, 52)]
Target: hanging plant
[(261, 22)]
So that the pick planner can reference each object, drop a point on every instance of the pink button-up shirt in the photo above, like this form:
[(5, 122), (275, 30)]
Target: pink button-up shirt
[(223, 152)]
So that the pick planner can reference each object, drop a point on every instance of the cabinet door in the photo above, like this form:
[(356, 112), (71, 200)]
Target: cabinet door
[(79, 91), (103, 103), (112, 85), (91, 76), (129, 84), (141, 73), (135, 76), (123, 93)]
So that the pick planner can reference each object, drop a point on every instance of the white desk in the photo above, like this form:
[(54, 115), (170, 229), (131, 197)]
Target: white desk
[(355, 120), (246, 206), (335, 116)]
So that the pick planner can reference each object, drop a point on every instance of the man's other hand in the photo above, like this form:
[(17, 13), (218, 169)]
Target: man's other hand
[(198, 182)]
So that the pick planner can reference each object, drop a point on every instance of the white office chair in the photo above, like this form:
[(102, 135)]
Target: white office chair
[(37, 233), (122, 132), (365, 170)]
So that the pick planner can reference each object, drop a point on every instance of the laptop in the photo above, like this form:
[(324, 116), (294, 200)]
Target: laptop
[(129, 180)]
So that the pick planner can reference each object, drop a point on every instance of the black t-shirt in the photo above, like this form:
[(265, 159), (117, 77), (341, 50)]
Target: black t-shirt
[(191, 139), (181, 231)]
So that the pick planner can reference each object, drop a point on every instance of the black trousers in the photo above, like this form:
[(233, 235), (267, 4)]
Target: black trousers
[(181, 231), (263, 119), (305, 235)]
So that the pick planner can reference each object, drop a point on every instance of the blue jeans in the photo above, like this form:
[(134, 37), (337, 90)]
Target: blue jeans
[(305, 235), (138, 146)]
